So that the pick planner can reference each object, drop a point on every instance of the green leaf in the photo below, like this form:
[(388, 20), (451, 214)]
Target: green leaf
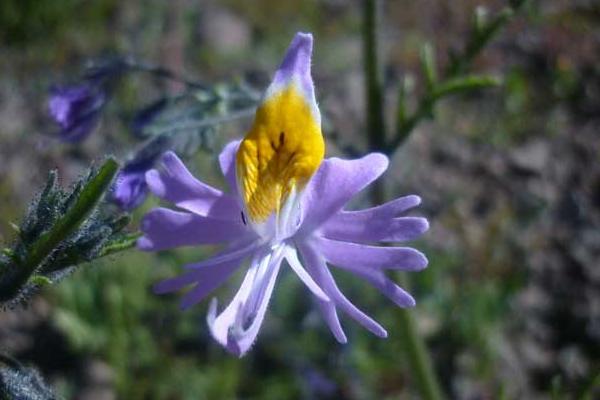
[(465, 84), (40, 280), (480, 19), (122, 243), (428, 65)]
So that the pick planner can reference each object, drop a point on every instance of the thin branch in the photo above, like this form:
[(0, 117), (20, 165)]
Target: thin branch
[(247, 112), (453, 79), (163, 72)]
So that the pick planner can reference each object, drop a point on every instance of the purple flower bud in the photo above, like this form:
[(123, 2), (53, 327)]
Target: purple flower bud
[(76, 110), (130, 189)]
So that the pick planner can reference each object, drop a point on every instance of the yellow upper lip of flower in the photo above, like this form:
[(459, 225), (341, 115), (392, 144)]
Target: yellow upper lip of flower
[(282, 150)]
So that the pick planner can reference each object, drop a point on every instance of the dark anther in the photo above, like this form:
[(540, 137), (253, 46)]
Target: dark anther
[(281, 138), (243, 218)]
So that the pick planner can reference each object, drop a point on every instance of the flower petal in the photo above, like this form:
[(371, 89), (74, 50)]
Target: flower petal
[(348, 227), (295, 68), (390, 209), (227, 163), (315, 264), (357, 257), (386, 286), (367, 262), (176, 184), (165, 229), (240, 248), (292, 259), (237, 326), (207, 279), (330, 315), (285, 146), (129, 189), (231, 255), (348, 177)]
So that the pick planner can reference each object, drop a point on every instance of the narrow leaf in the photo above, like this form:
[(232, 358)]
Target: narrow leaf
[(465, 84), (428, 65)]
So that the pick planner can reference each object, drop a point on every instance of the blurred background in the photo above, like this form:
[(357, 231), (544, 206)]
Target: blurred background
[(510, 179)]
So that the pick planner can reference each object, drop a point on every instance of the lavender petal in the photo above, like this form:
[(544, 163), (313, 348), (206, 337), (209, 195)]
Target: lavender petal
[(333, 322), (357, 257), (388, 210), (315, 264), (199, 270), (348, 177), (129, 190), (237, 326), (296, 67), (292, 259), (165, 229), (227, 163), (347, 226), (206, 280), (176, 184)]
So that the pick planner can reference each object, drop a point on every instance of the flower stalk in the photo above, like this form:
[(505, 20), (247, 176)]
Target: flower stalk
[(413, 344), (454, 80)]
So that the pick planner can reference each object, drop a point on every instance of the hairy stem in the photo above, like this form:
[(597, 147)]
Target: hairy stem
[(62, 229)]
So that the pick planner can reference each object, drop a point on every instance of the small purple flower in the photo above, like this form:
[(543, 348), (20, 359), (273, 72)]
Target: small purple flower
[(76, 110), (130, 188), (285, 203)]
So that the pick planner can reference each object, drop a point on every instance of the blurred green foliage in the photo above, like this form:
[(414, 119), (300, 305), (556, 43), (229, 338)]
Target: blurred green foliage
[(33, 21)]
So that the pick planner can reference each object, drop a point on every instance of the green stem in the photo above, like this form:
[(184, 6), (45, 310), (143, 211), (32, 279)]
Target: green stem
[(418, 357), (162, 72), (424, 108), (480, 38), (453, 79), (416, 351), (64, 227), (123, 244), (373, 75)]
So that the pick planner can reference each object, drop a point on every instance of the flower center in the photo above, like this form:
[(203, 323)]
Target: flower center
[(280, 153)]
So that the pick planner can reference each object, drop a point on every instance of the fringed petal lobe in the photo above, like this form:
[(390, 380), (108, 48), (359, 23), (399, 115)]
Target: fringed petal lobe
[(335, 183), (237, 326), (176, 184), (165, 229), (227, 164), (355, 257), (347, 226), (315, 264)]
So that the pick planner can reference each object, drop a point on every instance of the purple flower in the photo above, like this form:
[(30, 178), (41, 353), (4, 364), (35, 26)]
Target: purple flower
[(285, 203), (130, 188), (76, 110)]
